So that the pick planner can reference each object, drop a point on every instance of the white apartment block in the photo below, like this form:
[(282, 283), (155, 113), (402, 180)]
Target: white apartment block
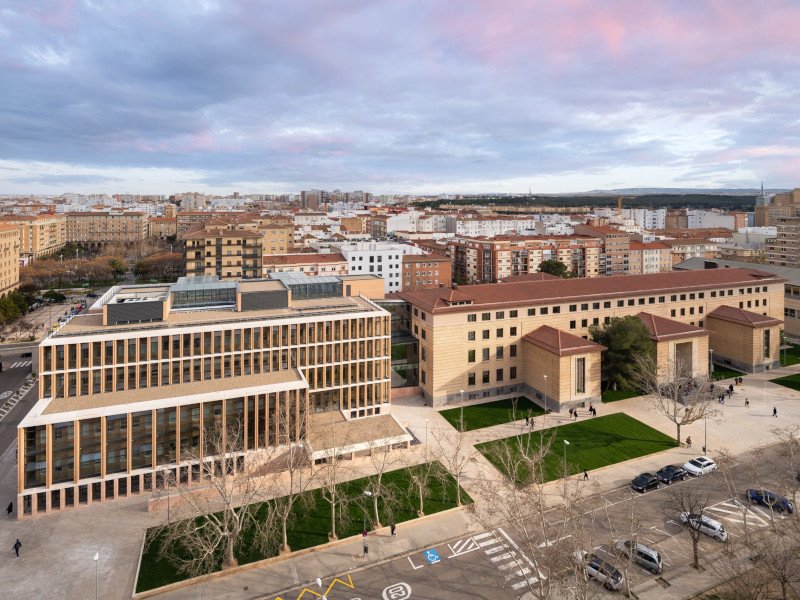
[(488, 227), (384, 259)]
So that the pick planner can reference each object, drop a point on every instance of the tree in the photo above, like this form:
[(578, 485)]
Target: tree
[(684, 499), (212, 519), (625, 339), (554, 267), (329, 474), (383, 460), (674, 391), (454, 452)]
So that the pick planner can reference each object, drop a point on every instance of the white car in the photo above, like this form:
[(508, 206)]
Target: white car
[(700, 466), (705, 525)]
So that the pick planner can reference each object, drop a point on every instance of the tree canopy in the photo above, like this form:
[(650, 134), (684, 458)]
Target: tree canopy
[(625, 338), (554, 267)]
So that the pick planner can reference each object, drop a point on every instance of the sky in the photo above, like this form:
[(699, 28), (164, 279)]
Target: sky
[(398, 96)]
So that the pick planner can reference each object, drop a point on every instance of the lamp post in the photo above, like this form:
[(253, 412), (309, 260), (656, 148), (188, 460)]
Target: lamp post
[(462, 407), (705, 435), (426, 435), (711, 364), (545, 393), (368, 494), (96, 577), (566, 443)]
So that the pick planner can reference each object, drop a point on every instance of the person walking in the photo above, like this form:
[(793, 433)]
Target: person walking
[(575, 414), (775, 412), (9, 509), (393, 529), (570, 413), (17, 546), (366, 548), (689, 442), (746, 402), (585, 475), (527, 421)]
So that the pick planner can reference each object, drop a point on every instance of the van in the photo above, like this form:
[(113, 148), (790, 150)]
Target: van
[(642, 555), (599, 569), (705, 525)]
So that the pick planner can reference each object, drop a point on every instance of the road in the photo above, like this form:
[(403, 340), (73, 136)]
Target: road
[(494, 564), (16, 369)]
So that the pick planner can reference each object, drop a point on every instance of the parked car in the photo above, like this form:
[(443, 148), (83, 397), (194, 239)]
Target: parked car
[(642, 555), (700, 466), (672, 473), (645, 481), (705, 525), (601, 570), (92, 295), (771, 500)]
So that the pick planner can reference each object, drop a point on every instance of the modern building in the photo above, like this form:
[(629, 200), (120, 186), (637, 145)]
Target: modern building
[(486, 339), (40, 235), (103, 227), (615, 257), (125, 389), (224, 253), (308, 263), (421, 271), (486, 260), (9, 258), (384, 259)]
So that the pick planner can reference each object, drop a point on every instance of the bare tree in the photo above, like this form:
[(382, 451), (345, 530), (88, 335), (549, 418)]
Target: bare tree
[(454, 452), (675, 392), (628, 530), (208, 522), (692, 502), (778, 557), (735, 568), (419, 483), (383, 460), (329, 474)]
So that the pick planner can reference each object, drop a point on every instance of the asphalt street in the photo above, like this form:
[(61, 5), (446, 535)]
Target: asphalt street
[(16, 368), (494, 564)]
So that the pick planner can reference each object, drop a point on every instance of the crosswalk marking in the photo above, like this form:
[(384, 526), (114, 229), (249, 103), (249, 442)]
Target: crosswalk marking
[(21, 363), (502, 556), (507, 557), (483, 535), (487, 543)]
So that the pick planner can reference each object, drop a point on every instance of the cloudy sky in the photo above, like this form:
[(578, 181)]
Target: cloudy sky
[(397, 96)]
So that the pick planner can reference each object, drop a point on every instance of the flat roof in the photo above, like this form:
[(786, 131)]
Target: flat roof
[(330, 431), (196, 391), (92, 323), (560, 291), (790, 274)]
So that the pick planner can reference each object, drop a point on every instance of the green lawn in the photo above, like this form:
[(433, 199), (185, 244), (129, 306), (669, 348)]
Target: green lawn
[(478, 416), (790, 381), (725, 373), (312, 525), (593, 443), (614, 395), (790, 356)]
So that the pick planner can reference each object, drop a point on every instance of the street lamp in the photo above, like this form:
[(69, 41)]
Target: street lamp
[(96, 579), (368, 494), (711, 364), (566, 443), (426, 435), (462, 407), (705, 435), (545, 393)]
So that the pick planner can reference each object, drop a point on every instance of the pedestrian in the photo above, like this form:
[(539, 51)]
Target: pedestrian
[(585, 475), (366, 548), (746, 402), (393, 529), (594, 412), (591, 407), (364, 535), (532, 423), (9, 509), (570, 413), (775, 412), (575, 414), (689, 442), (17, 546), (527, 421)]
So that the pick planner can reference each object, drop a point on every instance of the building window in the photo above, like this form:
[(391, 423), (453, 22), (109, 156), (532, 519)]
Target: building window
[(424, 335), (499, 353), (607, 304), (513, 331), (766, 343), (500, 315), (585, 306), (620, 303), (573, 307), (595, 306), (584, 322), (580, 375), (486, 316), (512, 314), (556, 310), (499, 332), (513, 350), (471, 318), (485, 377), (422, 354), (471, 336), (543, 311), (672, 312), (631, 302), (512, 373), (471, 356), (531, 312), (485, 354), (572, 324), (471, 379), (499, 375), (486, 334), (422, 376)]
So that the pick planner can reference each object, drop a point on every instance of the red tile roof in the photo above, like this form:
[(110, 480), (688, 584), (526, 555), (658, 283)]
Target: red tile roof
[(552, 291), (662, 329), (223, 233), (560, 342), (743, 317), (650, 246)]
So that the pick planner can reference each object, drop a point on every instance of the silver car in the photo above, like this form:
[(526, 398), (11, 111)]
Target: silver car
[(642, 555)]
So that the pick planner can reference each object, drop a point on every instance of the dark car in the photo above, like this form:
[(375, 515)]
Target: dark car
[(645, 481), (771, 500), (671, 473), (91, 295)]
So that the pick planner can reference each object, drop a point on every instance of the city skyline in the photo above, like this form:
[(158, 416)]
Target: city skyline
[(418, 97)]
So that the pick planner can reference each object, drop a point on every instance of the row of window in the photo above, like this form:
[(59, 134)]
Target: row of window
[(499, 376), (499, 353), (486, 333)]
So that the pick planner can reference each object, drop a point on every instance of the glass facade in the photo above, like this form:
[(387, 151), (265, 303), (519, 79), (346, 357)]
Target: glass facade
[(117, 444), (90, 441), (35, 456), (63, 453)]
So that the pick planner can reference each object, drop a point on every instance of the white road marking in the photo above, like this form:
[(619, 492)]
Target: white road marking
[(548, 543), (487, 543), (480, 536), (502, 556)]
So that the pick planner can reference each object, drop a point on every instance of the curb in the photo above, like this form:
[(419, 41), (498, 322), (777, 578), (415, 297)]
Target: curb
[(274, 559)]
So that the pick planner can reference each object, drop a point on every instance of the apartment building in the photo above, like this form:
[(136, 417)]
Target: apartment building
[(485, 260), (684, 249), (531, 336), (384, 259), (307, 263), (421, 271), (189, 218), (125, 389), (495, 225), (649, 257), (615, 257), (786, 204), (40, 235), (9, 258), (163, 227), (224, 253), (101, 227), (277, 239)]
